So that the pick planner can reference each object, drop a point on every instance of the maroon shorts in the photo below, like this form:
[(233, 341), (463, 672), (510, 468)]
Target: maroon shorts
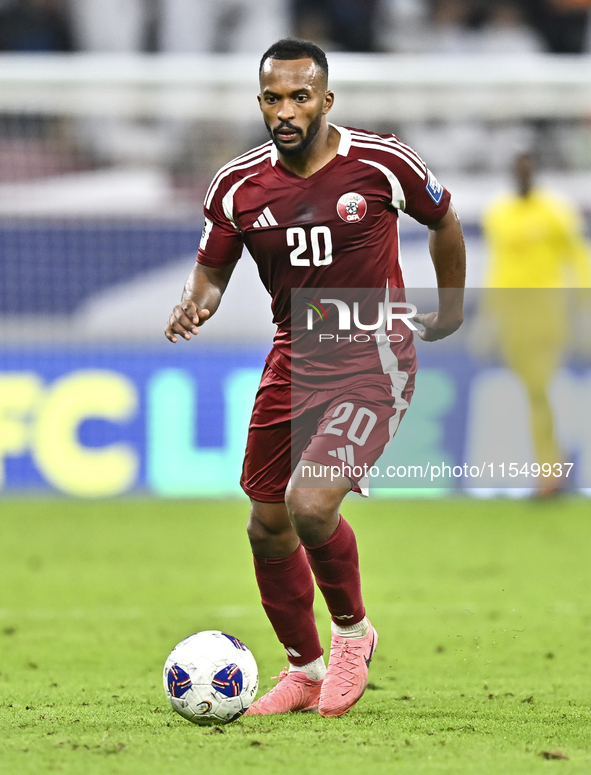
[(348, 426)]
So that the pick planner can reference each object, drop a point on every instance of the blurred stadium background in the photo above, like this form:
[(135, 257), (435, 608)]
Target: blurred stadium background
[(114, 115)]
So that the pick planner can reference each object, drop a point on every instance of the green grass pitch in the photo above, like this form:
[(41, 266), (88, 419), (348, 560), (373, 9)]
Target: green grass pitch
[(483, 610)]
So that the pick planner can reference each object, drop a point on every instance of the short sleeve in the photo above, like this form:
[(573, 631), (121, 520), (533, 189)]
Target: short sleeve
[(427, 200), (221, 240)]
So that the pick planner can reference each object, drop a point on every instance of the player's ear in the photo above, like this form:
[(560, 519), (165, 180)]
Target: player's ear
[(328, 101), (260, 101)]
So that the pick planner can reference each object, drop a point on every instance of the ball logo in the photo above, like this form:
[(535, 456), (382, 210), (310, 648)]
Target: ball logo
[(237, 643), (179, 681), (228, 681), (351, 207)]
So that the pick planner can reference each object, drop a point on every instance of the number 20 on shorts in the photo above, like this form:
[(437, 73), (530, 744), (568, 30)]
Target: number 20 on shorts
[(342, 414)]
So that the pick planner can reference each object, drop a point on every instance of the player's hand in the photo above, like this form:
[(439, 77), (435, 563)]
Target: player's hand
[(434, 327), (184, 321)]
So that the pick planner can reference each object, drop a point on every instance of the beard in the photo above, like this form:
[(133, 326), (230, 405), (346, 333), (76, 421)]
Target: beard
[(305, 139)]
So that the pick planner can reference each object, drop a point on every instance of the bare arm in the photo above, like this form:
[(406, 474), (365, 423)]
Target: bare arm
[(201, 298), (446, 245)]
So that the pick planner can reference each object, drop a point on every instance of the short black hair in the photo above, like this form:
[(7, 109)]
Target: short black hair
[(292, 48)]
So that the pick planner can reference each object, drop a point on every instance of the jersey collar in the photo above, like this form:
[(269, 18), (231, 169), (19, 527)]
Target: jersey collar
[(345, 141), (343, 150)]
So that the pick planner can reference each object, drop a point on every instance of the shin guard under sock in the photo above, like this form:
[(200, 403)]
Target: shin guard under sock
[(335, 565), (287, 595)]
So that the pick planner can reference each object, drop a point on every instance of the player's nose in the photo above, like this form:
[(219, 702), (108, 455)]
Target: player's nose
[(286, 111)]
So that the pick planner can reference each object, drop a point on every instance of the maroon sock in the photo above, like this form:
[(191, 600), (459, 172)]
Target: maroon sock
[(335, 565), (287, 594)]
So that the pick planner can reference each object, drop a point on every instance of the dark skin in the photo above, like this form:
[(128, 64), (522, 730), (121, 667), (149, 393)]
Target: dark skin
[(523, 173), (295, 101)]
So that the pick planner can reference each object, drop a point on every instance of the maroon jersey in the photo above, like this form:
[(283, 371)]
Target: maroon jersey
[(336, 229)]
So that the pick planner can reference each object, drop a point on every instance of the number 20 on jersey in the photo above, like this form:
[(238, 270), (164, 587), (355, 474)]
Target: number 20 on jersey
[(319, 242)]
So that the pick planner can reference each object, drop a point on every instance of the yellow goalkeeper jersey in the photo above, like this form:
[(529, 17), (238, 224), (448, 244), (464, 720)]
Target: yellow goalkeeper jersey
[(535, 242)]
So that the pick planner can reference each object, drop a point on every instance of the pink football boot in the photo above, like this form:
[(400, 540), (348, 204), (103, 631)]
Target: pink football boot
[(346, 677), (294, 692)]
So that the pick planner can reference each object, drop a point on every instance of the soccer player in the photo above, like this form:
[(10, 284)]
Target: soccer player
[(317, 208), (535, 242)]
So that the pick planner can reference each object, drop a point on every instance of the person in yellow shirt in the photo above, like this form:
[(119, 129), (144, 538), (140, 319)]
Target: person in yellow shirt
[(535, 242), (534, 237)]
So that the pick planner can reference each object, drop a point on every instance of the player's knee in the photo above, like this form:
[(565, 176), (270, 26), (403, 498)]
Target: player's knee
[(310, 511), (301, 505), (269, 530), (256, 531)]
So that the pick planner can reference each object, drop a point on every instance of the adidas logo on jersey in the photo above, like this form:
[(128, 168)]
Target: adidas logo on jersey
[(346, 454), (265, 219)]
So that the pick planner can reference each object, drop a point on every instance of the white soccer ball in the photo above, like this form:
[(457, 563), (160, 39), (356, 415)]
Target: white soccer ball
[(210, 678)]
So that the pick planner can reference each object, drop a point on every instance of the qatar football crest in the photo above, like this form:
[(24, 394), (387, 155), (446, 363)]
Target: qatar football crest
[(351, 207)]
